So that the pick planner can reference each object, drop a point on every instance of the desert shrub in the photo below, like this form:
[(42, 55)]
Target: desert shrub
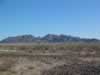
[(53, 47), (75, 69), (6, 64)]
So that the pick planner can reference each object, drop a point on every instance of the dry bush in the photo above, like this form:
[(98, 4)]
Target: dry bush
[(6, 64), (75, 69), (50, 46)]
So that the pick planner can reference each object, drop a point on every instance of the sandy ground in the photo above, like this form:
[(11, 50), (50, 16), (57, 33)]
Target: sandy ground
[(20, 63)]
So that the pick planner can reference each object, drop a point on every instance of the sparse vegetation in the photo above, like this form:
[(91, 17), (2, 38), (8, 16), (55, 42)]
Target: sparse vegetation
[(50, 59), (74, 69)]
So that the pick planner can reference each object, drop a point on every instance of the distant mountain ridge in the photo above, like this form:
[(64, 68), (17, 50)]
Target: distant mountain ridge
[(47, 38)]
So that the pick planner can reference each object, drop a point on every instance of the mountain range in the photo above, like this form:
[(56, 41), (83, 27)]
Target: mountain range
[(52, 38)]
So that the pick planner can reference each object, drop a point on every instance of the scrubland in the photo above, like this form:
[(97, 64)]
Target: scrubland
[(50, 59)]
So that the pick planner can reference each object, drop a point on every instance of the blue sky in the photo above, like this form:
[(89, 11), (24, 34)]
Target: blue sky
[(40, 17)]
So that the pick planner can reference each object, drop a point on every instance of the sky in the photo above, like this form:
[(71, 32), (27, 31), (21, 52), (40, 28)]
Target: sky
[(39, 17)]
